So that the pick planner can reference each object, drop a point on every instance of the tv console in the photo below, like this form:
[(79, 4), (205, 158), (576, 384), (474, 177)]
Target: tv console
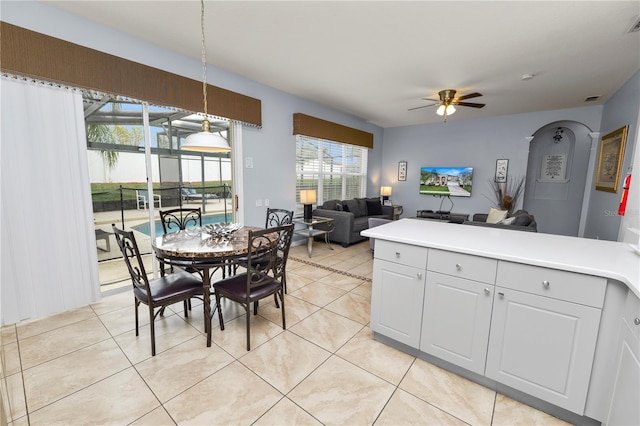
[(442, 215)]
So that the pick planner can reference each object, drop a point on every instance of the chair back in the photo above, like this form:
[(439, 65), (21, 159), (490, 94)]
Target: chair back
[(178, 219), (129, 248), (261, 257), (285, 236), (278, 217)]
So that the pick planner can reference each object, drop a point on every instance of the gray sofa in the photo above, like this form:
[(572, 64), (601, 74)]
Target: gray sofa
[(518, 221), (351, 217)]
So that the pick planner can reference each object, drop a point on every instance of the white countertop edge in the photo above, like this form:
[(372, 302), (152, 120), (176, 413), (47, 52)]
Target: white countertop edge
[(618, 262)]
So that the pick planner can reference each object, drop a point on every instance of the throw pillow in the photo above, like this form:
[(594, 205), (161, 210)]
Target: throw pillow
[(507, 221), (374, 207), (339, 207), (362, 207), (496, 215), (522, 220), (351, 206)]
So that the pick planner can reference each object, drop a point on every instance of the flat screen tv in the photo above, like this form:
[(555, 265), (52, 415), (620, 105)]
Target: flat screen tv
[(446, 181)]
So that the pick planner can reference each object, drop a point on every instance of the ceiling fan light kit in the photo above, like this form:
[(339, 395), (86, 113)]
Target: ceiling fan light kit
[(448, 102)]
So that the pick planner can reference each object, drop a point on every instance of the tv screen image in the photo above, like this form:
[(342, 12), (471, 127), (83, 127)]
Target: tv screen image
[(446, 181)]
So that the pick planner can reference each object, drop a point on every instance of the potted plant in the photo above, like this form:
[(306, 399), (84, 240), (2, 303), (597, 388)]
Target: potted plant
[(507, 194)]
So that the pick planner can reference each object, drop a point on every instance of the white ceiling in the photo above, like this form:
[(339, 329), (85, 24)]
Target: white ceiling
[(376, 59)]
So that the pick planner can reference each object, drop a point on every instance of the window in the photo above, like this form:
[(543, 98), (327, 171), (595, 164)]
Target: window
[(336, 170)]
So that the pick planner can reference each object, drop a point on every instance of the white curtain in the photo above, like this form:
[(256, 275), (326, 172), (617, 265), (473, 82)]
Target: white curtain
[(48, 247)]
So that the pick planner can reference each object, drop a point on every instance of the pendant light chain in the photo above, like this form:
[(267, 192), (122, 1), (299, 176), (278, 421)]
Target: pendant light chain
[(204, 59)]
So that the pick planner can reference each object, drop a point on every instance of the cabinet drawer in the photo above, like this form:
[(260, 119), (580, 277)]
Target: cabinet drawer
[(404, 254), (632, 312), (463, 265), (562, 285)]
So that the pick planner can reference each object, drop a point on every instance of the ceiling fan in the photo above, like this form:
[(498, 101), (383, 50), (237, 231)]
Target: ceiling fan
[(448, 101)]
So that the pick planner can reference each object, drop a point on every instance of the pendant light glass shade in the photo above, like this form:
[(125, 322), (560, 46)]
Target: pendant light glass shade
[(205, 141)]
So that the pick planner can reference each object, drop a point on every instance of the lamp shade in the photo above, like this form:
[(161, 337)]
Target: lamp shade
[(308, 196), (205, 141), (450, 109), (385, 191)]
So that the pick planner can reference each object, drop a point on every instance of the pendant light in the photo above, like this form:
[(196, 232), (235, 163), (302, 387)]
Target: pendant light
[(205, 141)]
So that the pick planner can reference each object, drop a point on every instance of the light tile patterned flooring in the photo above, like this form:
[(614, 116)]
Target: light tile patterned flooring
[(88, 367)]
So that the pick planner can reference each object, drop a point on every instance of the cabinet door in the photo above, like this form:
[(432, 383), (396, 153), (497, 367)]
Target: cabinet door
[(625, 406), (456, 320), (543, 347), (396, 301)]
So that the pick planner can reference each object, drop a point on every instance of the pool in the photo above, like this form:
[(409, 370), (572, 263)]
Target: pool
[(206, 220)]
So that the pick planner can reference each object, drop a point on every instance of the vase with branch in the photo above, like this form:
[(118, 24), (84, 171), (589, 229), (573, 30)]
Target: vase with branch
[(507, 194)]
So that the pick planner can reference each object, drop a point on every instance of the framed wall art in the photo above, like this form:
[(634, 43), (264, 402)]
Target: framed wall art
[(502, 166), (610, 156), (402, 170)]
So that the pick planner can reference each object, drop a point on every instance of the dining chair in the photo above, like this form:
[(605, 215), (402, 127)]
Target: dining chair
[(278, 217), (263, 277), (178, 219), (157, 293)]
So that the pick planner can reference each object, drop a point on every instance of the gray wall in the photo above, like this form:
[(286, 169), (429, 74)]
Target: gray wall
[(621, 110), (469, 143)]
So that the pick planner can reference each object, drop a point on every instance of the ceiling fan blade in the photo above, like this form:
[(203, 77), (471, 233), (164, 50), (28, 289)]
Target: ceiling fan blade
[(423, 106), (430, 99), (469, 96), (470, 104)]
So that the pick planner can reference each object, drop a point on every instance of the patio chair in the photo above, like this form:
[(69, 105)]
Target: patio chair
[(103, 235), (158, 293), (263, 277), (142, 199), (190, 194)]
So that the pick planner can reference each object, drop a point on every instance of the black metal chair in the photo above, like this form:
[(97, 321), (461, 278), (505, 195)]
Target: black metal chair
[(263, 277), (178, 219), (158, 293), (278, 217)]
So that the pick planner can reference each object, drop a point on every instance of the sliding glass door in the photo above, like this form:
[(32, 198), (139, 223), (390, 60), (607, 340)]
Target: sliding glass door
[(120, 167)]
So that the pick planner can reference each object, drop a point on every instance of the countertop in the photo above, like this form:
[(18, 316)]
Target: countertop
[(609, 259)]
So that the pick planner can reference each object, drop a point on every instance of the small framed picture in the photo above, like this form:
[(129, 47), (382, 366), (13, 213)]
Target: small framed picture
[(402, 170), (502, 166), (388, 203)]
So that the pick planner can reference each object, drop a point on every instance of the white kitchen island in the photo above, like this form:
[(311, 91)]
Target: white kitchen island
[(552, 321)]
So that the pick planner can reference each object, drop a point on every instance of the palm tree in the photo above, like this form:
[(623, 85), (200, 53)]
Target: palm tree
[(100, 133)]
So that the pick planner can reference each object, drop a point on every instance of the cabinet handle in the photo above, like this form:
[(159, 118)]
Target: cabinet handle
[(501, 294), (636, 321), (545, 284), (397, 254), (419, 275), (486, 291), (458, 266)]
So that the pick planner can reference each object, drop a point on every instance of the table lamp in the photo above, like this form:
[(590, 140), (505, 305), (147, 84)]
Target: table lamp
[(307, 198), (385, 191)]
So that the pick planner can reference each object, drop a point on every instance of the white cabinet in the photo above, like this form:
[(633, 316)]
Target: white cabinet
[(456, 320), (543, 346), (398, 293), (625, 405), (457, 310)]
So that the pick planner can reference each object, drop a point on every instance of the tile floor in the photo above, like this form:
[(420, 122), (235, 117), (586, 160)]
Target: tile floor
[(88, 367)]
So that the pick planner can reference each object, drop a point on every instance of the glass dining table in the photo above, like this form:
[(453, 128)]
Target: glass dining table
[(197, 250)]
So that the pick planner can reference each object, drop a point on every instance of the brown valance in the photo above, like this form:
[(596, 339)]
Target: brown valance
[(315, 127), (32, 54)]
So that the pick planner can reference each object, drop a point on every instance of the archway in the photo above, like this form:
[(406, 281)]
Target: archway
[(557, 171)]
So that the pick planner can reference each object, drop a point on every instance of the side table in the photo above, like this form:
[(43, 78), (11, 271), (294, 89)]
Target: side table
[(314, 227)]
